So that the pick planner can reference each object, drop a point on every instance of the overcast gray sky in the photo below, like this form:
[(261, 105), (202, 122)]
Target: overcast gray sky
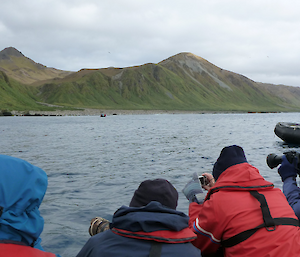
[(259, 39)]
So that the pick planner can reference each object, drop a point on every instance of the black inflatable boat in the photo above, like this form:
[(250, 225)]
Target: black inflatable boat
[(288, 132)]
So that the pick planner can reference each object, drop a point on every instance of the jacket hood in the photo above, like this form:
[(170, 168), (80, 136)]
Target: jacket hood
[(241, 176), (152, 222), (149, 218), (22, 189)]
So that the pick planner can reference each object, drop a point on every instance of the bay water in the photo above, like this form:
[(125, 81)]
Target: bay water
[(94, 163)]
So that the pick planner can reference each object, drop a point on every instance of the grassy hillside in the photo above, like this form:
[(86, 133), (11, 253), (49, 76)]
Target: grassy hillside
[(14, 96), (181, 82), (17, 97)]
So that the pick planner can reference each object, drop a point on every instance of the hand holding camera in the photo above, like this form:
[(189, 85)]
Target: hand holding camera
[(287, 169), (193, 189), (208, 182), (98, 225), (273, 160), (290, 165)]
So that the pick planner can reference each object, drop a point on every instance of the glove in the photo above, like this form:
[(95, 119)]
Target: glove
[(98, 225), (193, 190), (287, 168), (293, 157)]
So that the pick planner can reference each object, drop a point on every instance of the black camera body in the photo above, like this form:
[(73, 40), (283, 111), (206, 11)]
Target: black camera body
[(274, 160), (203, 180)]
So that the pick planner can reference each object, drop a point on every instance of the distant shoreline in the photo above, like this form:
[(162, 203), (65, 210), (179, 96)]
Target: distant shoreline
[(98, 112)]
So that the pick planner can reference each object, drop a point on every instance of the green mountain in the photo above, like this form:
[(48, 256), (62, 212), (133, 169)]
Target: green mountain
[(25, 70), (15, 96), (181, 82)]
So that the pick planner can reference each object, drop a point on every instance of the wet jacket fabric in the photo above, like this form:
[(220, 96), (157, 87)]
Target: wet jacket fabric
[(229, 209), (134, 229), (22, 189)]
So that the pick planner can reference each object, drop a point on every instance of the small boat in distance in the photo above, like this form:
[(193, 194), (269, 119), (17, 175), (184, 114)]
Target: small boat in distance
[(288, 132)]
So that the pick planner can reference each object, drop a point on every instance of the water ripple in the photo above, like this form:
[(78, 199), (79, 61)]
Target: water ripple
[(95, 164)]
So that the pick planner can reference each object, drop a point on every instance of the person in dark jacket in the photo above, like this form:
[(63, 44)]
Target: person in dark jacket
[(288, 171), (22, 189), (150, 226)]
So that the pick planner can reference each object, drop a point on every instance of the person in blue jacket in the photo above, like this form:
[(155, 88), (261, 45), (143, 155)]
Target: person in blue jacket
[(22, 189), (150, 226), (288, 171)]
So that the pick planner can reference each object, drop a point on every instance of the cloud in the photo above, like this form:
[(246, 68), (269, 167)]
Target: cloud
[(258, 39)]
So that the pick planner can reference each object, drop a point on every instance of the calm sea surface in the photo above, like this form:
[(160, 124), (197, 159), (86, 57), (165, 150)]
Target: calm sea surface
[(94, 164)]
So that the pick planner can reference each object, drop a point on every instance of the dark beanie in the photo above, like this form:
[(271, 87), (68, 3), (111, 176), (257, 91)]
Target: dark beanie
[(229, 156), (159, 190)]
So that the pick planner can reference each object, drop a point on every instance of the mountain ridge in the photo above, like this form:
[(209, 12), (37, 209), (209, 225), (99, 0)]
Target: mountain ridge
[(23, 69), (6, 53), (181, 82)]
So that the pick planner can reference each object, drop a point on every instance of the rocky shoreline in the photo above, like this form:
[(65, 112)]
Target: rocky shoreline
[(98, 112)]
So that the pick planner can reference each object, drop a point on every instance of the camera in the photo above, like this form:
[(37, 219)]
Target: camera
[(98, 225), (203, 180), (274, 160)]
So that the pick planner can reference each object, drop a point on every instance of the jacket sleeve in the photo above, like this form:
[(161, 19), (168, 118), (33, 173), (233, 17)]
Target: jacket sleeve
[(205, 222), (292, 194), (86, 250)]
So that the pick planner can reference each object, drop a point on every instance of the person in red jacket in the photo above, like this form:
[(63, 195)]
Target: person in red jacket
[(242, 213)]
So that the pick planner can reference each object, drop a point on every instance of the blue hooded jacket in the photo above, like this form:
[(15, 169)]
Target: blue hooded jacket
[(22, 189), (134, 229)]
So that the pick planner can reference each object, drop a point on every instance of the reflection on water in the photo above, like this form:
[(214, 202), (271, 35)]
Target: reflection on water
[(94, 164)]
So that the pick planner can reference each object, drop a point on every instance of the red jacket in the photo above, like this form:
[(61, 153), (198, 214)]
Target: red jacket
[(229, 209), (15, 250)]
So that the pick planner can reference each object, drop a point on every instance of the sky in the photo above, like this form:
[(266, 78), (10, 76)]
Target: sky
[(259, 39)]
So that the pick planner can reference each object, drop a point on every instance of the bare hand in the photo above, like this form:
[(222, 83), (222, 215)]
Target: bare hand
[(211, 180)]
